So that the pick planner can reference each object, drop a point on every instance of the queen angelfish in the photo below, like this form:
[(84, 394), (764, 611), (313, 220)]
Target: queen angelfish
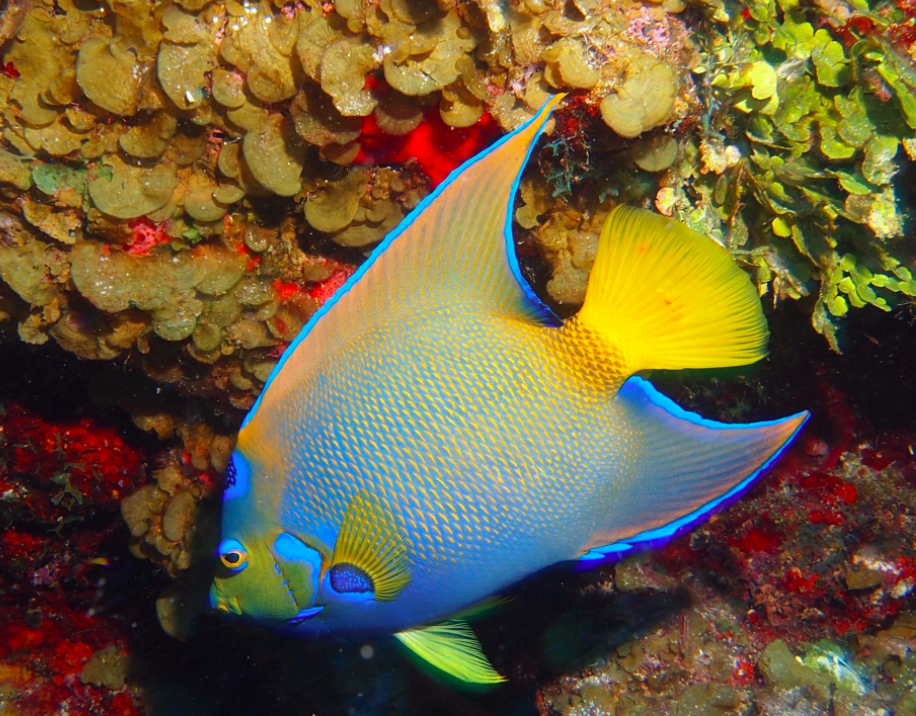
[(436, 433)]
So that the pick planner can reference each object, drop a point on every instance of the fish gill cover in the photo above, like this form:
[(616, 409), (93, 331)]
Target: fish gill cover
[(183, 184)]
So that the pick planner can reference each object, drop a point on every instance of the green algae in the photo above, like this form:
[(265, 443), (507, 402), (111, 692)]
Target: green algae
[(825, 123), (827, 657), (51, 178)]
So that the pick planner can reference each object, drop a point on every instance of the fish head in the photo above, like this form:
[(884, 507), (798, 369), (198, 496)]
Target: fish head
[(272, 576), (263, 571)]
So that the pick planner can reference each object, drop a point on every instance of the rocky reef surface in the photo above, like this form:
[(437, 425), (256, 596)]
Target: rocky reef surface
[(183, 184)]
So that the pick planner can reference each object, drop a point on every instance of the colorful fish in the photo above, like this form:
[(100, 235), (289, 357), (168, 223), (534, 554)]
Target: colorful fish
[(436, 434)]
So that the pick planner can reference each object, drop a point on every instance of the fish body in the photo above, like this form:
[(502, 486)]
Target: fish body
[(436, 434), (484, 494)]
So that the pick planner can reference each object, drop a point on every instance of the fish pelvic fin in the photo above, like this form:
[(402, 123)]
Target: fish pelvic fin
[(452, 648), (370, 555), (689, 468), (662, 296)]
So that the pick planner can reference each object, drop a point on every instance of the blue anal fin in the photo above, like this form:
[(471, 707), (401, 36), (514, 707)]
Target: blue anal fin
[(304, 615), (688, 469)]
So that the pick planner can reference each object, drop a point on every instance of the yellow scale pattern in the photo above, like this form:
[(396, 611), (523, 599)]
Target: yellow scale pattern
[(489, 442)]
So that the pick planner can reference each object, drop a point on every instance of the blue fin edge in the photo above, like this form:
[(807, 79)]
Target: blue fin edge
[(660, 536), (303, 615), (540, 309)]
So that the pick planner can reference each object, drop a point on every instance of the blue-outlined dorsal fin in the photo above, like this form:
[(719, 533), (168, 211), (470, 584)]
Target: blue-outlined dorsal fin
[(688, 468), (454, 249)]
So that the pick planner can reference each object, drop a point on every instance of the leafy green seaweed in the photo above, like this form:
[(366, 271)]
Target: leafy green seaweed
[(823, 119)]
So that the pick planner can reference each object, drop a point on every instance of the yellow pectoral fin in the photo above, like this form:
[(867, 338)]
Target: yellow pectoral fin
[(370, 555), (452, 648), (667, 297)]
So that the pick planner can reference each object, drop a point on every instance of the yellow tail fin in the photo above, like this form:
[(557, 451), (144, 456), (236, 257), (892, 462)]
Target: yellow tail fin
[(665, 296)]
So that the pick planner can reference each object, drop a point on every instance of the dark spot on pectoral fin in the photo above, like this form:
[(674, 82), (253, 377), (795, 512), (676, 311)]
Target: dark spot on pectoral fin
[(370, 555), (350, 578)]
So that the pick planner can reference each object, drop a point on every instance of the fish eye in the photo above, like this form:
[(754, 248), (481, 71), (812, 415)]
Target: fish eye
[(233, 555)]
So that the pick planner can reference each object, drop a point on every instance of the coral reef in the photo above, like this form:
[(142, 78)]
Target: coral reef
[(60, 481), (163, 170), (177, 183), (184, 183)]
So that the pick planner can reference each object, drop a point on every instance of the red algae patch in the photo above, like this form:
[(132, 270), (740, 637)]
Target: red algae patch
[(61, 481), (437, 148), (71, 467)]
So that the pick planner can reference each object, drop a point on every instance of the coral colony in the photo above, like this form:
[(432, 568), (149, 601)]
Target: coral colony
[(183, 184)]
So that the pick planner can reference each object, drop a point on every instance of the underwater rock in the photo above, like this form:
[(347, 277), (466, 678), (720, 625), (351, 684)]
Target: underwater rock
[(863, 579), (638, 573), (107, 667), (783, 670)]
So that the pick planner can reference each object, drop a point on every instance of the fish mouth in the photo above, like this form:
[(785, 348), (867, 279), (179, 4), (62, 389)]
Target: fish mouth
[(220, 602)]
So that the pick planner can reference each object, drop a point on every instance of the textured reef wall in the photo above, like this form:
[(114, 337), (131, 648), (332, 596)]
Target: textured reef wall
[(178, 180), (183, 184)]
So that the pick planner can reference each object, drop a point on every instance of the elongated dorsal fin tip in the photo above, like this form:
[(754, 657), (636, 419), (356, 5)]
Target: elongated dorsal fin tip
[(454, 248)]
